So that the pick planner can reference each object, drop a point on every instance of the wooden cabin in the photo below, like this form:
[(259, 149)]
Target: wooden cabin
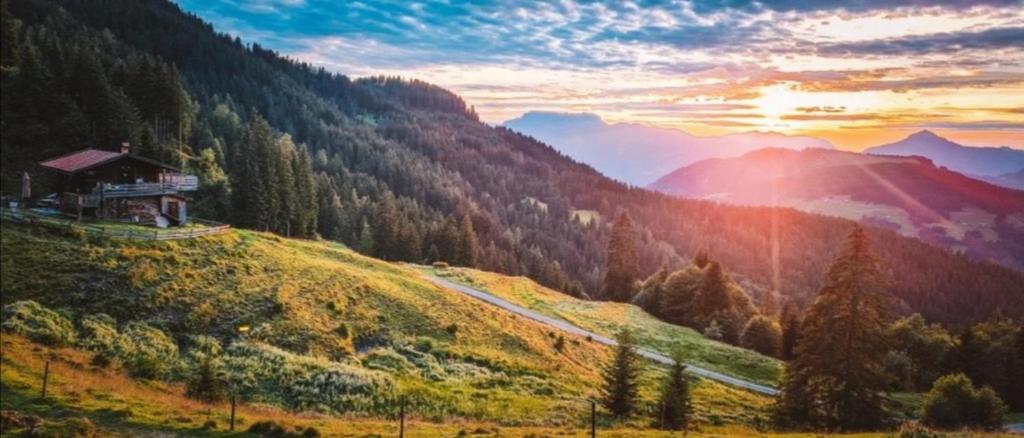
[(121, 186)]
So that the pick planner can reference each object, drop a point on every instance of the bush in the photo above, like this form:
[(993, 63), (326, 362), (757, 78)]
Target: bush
[(147, 352), (207, 380), (762, 335), (441, 265), (32, 320), (953, 403), (70, 428), (915, 430), (99, 335), (269, 374)]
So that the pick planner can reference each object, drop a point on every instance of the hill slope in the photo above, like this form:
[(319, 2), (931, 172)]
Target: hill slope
[(319, 304), (403, 163), (638, 154), (909, 195), (969, 160)]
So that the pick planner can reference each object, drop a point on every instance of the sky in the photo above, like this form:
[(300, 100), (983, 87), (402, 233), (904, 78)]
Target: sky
[(857, 73)]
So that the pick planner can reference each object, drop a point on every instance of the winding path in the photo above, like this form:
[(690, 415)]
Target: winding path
[(567, 327)]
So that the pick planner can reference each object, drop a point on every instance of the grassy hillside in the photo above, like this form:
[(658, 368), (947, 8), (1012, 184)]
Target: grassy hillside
[(314, 307), (607, 318)]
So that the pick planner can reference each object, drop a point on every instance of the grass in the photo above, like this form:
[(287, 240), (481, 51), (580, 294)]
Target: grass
[(121, 407), (492, 367), (607, 318)]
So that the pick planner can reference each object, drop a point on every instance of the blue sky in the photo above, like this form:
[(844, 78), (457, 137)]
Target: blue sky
[(852, 71)]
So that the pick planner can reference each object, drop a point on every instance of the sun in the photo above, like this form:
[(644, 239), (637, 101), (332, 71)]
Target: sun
[(776, 101)]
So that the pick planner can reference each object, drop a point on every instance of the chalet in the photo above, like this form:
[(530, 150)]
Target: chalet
[(121, 186)]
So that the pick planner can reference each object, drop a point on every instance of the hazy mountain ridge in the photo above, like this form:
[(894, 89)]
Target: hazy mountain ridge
[(639, 154), (908, 194), (969, 160)]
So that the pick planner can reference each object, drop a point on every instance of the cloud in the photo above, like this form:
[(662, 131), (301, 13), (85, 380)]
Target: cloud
[(949, 42), (704, 62)]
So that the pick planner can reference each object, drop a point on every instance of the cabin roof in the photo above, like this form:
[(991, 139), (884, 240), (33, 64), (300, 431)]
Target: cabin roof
[(89, 158)]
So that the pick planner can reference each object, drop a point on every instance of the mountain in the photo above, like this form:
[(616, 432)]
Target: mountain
[(907, 194), (969, 160), (1013, 180), (330, 331), (402, 170), (638, 154)]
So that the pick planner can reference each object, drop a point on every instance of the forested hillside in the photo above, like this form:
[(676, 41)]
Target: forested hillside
[(398, 169)]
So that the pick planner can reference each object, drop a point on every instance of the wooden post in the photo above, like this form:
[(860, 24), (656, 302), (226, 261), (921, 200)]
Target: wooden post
[(234, 401), (401, 417), (46, 377), (593, 419)]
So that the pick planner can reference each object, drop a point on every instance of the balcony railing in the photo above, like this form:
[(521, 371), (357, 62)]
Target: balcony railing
[(171, 184)]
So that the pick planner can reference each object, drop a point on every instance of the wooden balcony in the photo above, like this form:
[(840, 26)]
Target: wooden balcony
[(171, 185)]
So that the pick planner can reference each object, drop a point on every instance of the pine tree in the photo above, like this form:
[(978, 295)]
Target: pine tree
[(620, 378), (468, 246), (366, 242), (675, 397), (622, 265), (701, 259), (385, 229), (713, 299), (789, 322), (837, 378)]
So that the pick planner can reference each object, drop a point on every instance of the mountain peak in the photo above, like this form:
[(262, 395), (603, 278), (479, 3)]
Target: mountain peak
[(925, 134)]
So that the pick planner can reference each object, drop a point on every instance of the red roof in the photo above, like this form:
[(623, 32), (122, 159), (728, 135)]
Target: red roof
[(80, 160), (89, 158)]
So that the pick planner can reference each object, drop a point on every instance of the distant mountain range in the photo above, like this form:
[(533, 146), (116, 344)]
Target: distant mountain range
[(638, 154), (907, 194), (999, 165)]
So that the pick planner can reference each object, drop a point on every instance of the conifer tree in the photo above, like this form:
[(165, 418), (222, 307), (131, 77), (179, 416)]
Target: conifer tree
[(713, 302), (385, 229), (789, 322), (837, 379), (701, 259), (468, 246), (620, 378), (366, 243), (675, 397), (622, 267)]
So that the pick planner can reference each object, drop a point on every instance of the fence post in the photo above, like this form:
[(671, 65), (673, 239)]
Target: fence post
[(234, 401), (401, 418), (46, 377), (593, 419)]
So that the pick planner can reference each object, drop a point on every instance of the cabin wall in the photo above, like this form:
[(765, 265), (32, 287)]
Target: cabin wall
[(142, 209)]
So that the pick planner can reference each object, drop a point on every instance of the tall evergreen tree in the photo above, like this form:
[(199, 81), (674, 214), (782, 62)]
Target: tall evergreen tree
[(714, 293), (789, 322), (386, 228), (468, 246), (676, 408), (836, 380), (620, 378), (622, 266)]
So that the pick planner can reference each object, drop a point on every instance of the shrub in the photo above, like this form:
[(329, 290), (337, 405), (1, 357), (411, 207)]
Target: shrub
[(441, 265), (207, 380), (387, 359), (99, 335), (762, 335), (560, 343), (912, 429), (452, 329), (953, 402), (147, 352), (272, 375), (69, 428), (32, 320)]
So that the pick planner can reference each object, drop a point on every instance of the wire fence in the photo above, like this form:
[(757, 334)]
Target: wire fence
[(117, 231)]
